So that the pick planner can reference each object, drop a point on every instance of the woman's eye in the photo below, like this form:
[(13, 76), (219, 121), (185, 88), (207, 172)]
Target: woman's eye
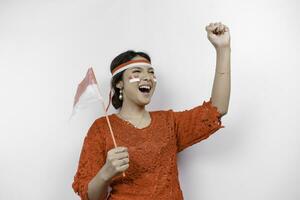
[(138, 71)]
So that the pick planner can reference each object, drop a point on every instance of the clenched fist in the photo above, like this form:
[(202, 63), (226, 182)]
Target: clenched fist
[(218, 35), (117, 161)]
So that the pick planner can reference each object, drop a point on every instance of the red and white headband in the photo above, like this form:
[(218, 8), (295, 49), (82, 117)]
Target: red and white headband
[(129, 64), (124, 66)]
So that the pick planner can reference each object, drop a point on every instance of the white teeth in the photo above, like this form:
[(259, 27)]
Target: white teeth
[(145, 86)]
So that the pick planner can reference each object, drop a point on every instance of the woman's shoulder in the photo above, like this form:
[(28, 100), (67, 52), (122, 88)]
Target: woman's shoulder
[(161, 112), (165, 112), (102, 120)]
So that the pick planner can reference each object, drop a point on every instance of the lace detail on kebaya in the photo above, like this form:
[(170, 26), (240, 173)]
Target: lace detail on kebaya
[(152, 172), (194, 125), (92, 158)]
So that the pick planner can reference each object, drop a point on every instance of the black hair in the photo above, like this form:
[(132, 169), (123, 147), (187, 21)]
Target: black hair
[(118, 60)]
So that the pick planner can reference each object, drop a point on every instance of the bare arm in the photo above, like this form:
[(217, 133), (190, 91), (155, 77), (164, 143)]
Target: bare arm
[(98, 186), (218, 34), (117, 162), (221, 87)]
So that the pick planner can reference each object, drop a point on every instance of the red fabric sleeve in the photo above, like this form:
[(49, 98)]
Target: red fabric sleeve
[(196, 124), (92, 158)]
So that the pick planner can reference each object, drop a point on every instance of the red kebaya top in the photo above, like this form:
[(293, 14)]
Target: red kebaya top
[(152, 172)]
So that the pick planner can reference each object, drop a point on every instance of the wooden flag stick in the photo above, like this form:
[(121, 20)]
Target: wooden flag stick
[(109, 125)]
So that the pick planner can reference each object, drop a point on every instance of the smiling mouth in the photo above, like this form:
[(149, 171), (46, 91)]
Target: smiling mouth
[(145, 89)]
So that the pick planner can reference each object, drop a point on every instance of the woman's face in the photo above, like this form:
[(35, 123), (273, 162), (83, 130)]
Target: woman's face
[(138, 84)]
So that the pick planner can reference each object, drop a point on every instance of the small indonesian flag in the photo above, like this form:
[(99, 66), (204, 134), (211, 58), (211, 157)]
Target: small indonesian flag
[(87, 92)]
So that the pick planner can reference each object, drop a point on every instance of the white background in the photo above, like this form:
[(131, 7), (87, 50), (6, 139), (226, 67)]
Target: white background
[(47, 46)]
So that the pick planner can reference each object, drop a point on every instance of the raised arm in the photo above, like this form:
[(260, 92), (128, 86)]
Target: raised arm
[(218, 35)]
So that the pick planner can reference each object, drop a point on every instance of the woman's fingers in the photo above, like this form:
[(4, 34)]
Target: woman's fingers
[(121, 162), (118, 153), (124, 161), (122, 168), (216, 28), (117, 161), (222, 28), (117, 150), (121, 149), (210, 27), (121, 155)]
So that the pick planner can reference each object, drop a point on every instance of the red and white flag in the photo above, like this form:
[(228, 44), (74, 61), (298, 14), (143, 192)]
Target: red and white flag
[(87, 92)]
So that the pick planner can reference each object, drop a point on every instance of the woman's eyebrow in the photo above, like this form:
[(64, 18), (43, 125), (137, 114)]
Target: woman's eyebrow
[(150, 68)]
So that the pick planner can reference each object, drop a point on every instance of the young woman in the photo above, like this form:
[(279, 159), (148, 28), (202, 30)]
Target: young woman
[(148, 140)]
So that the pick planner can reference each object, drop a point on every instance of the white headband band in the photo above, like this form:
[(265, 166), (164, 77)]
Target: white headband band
[(132, 63)]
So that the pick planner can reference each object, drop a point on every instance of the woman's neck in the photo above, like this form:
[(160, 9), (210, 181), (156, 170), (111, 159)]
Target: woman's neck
[(132, 110)]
